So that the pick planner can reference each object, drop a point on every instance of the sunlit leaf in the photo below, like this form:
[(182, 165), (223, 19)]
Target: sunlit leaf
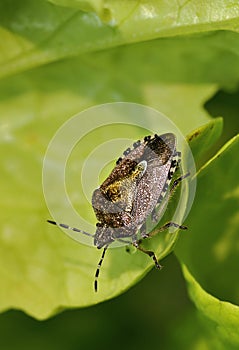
[(209, 253)]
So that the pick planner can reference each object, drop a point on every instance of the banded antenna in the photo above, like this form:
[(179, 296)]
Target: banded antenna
[(70, 228), (98, 269)]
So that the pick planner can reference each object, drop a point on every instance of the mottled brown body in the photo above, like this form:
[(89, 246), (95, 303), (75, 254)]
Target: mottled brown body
[(136, 189), (130, 193)]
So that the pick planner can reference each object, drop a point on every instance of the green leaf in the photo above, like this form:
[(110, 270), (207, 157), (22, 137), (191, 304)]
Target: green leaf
[(209, 253), (84, 5), (202, 139), (160, 15), (192, 331), (223, 315), (42, 270), (40, 32)]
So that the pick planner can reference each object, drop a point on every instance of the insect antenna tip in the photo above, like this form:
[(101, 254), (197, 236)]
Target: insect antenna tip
[(51, 222)]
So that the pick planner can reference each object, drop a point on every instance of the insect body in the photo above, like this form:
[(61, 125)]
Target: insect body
[(137, 188)]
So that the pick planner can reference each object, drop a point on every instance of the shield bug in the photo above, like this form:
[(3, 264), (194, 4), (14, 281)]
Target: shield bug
[(137, 189)]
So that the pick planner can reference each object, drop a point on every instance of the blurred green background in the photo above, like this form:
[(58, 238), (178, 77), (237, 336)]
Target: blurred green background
[(56, 60), (150, 314)]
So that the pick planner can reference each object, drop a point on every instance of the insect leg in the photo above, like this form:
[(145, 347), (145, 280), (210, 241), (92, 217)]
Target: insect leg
[(70, 228), (163, 228), (160, 207), (150, 253), (98, 269), (172, 224), (178, 180)]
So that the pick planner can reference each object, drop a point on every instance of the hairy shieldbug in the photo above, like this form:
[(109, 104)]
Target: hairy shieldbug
[(138, 188)]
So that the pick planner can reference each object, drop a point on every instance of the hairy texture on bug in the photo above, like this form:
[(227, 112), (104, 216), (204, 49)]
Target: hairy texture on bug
[(138, 187), (131, 191)]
